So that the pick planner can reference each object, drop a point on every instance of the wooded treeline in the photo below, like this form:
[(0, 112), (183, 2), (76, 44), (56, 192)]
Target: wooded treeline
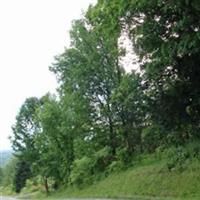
[(103, 116)]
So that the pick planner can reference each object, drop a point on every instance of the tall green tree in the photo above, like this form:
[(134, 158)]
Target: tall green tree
[(89, 70), (56, 153), (166, 36), (130, 104), (25, 130)]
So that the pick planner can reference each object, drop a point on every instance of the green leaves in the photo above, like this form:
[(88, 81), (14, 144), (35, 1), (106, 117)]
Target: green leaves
[(26, 128), (103, 114)]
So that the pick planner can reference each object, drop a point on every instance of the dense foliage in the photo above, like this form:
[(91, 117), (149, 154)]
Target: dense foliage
[(104, 117)]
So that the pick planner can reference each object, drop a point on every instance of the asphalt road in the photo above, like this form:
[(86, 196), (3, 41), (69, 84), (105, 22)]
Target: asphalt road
[(6, 198)]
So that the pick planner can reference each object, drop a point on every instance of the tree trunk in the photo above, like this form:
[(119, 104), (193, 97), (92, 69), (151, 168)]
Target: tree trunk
[(46, 185), (112, 137)]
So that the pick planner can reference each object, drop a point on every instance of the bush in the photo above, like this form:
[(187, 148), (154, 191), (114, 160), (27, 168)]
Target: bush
[(8, 172), (102, 159), (22, 173), (194, 149), (123, 156), (82, 171), (181, 135), (152, 138), (177, 158), (115, 166), (30, 186)]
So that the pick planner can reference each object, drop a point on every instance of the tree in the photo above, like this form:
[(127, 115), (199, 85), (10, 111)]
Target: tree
[(102, 113), (22, 173), (168, 46), (56, 153), (130, 105), (89, 70), (8, 172), (25, 130)]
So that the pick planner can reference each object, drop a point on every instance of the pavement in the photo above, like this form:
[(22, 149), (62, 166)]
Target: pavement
[(6, 198)]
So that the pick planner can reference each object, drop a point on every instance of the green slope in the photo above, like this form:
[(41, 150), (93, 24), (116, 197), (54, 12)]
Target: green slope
[(146, 181)]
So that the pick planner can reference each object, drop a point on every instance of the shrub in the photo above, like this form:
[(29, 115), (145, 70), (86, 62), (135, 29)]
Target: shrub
[(102, 159), (177, 158), (22, 173), (123, 156), (194, 149), (82, 171), (152, 138), (115, 166)]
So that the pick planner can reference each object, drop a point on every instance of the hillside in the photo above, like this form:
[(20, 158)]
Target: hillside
[(108, 132), (5, 157), (148, 179)]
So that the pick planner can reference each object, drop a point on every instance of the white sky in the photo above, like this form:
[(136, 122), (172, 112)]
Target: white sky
[(32, 32)]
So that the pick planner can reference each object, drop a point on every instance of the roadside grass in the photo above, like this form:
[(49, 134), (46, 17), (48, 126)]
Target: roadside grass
[(145, 181), (6, 191)]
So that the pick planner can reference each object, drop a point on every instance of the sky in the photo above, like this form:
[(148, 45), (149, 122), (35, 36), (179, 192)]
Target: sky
[(32, 32)]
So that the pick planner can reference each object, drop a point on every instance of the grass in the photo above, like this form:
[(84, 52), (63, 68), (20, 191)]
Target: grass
[(145, 181)]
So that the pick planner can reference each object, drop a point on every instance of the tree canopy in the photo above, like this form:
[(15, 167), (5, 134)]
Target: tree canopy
[(104, 115)]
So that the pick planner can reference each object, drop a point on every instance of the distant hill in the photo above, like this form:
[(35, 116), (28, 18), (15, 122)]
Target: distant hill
[(5, 156)]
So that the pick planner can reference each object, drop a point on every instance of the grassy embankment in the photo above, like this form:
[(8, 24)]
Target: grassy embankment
[(148, 179)]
